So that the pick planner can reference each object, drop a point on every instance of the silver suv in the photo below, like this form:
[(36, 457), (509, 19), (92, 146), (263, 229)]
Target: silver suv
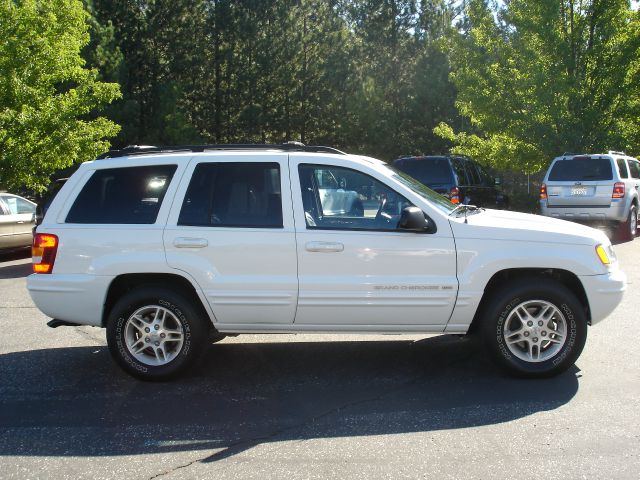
[(597, 188)]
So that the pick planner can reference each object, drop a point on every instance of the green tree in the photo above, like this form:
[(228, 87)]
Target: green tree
[(541, 78), (48, 99)]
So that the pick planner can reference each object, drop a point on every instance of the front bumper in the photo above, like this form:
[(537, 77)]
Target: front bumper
[(604, 293)]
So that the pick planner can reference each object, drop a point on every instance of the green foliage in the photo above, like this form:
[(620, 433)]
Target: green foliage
[(362, 75), (47, 98), (546, 77)]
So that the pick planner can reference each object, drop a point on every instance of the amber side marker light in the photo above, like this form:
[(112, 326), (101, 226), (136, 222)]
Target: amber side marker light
[(602, 255), (43, 252)]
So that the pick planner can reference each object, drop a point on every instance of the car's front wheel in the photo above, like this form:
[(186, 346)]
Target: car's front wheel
[(534, 327), (155, 334)]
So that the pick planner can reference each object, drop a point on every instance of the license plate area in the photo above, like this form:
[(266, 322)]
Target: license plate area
[(579, 191)]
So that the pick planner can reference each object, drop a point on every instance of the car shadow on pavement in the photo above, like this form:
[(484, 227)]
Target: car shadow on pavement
[(20, 270), (76, 402)]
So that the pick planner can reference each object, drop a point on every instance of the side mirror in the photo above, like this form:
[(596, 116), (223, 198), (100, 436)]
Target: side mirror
[(413, 219)]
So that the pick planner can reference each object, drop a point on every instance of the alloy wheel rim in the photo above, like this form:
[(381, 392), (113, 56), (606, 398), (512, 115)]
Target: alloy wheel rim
[(535, 331), (153, 335)]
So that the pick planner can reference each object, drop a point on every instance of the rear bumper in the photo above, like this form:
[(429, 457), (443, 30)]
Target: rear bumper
[(77, 299), (604, 293), (616, 212)]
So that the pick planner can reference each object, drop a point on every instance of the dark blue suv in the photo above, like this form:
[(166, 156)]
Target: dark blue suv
[(458, 178)]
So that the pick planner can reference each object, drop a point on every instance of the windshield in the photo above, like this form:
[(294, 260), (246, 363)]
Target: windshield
[(425, 192)]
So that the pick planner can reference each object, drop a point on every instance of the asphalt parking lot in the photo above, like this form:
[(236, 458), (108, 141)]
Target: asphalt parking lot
[(304, 406)]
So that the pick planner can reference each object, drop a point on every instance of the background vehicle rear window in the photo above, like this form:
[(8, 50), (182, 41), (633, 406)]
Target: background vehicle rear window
[(131, 195), (429, 171), (581, 169), (239, 194)]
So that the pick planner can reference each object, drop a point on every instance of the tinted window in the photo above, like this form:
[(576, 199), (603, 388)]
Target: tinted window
[(233, 195), (428, 170), (366, 204), (472, 173), (484, 177), (458, 168), (622, 168), (130, 195), (585, 168), (634, 166)]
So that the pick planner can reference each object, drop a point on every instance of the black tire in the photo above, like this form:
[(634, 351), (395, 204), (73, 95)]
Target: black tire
[(627, 231), (179, 316), (215, 337), (534, 295)]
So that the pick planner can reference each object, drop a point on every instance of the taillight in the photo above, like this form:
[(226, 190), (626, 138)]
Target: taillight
[(454, 195), (543, 192), (43, 252), (618, 190)]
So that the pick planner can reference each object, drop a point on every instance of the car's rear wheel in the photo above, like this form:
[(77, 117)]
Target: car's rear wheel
[(629, 228), (534, 328), (155, 334)]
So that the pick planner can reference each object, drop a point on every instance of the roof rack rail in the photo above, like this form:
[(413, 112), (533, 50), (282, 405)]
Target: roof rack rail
[(572, 154), (287, 147), (613, 152)]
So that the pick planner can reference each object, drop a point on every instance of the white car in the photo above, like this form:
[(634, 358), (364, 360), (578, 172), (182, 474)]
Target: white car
[(169, 248)]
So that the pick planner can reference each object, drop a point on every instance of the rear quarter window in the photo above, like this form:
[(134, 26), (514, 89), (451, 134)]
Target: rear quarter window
[(131, 195), (581, 169)]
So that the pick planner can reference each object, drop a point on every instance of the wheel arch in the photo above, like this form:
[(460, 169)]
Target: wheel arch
[(504, 277), (124, 283)]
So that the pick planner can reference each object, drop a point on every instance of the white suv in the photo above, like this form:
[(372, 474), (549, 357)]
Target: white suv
[(597, 188), (170, 248)]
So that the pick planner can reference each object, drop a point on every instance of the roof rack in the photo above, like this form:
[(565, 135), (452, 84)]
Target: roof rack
[(286, 147), (613, 152)]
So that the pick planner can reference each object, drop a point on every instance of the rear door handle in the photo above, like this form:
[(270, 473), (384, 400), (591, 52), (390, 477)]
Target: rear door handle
[(184, 242), (324, 247)]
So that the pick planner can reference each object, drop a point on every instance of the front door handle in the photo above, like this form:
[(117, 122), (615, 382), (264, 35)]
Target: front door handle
[(184, 242), (324, 247)]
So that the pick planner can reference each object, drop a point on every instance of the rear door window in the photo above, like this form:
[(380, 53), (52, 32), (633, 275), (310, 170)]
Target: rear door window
[(634, 166), (472, 173), (458, 168), (131, 195), (233, 194), (581, 169), (622, 168)]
